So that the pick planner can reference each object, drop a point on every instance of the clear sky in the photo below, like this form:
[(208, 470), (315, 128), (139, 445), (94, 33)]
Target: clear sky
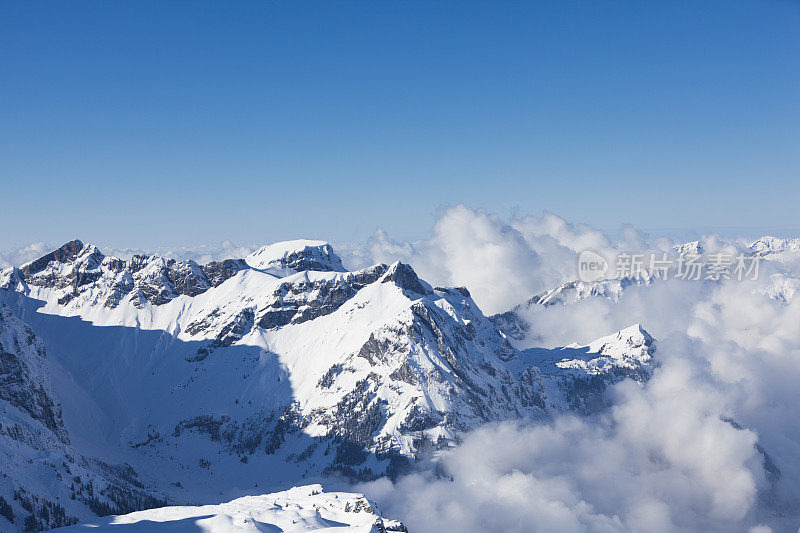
[(167, 123)]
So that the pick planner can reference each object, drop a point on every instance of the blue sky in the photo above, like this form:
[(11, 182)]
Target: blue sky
[(169, 123)]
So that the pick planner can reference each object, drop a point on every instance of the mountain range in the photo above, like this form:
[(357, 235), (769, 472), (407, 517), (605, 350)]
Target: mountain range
[(139, 383)]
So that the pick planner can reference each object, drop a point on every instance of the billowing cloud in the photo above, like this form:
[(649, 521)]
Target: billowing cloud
[(505, 262), (711, 443), (665, 458), (502, 262)]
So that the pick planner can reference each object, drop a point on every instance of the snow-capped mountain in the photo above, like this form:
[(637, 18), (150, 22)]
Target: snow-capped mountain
[(771, 245), (781, 286), (256, 373), (290, 257), (574, 291), (767, 246), (689, 248), (512, 323), (306, 508)]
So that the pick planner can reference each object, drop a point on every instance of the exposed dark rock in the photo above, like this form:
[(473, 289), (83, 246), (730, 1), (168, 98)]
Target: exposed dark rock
[(219, 271), (63, 254), (206, 424), (328, 378), (511, 324), (357, 417), (308, 259), (187, 277), (378, 351), (288, 422), (119, 290), (12, 279), (450, 290), (229, 334), (405, 373), (294, 302), (505, 352), (5, 510), (419, 420), (276, 318), (20, 384), (404, 277)]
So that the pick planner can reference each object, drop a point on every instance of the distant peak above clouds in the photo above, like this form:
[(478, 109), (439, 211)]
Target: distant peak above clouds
[(772, 245)]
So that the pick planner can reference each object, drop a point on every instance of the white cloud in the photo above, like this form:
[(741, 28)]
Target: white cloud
[(663, 459), (18, 256), (711, 443), (503, 263)]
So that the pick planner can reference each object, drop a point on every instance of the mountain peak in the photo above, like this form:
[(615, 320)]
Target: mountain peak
[(632, 337), (288, 257), (405, 278), (689, 248), (63, 254)]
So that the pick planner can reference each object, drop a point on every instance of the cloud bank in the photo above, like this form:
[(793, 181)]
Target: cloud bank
[(710, 443), (502, 262)]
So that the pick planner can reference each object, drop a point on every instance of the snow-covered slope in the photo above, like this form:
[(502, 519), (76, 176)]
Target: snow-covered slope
[(305, 508), (256, 373)]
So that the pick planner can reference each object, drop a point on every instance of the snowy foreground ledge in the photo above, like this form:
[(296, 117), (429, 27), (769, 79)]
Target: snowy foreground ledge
[(305, 508)]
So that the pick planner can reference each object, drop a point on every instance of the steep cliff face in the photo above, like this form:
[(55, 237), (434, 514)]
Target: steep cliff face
[(24, 383), (45, 481)]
